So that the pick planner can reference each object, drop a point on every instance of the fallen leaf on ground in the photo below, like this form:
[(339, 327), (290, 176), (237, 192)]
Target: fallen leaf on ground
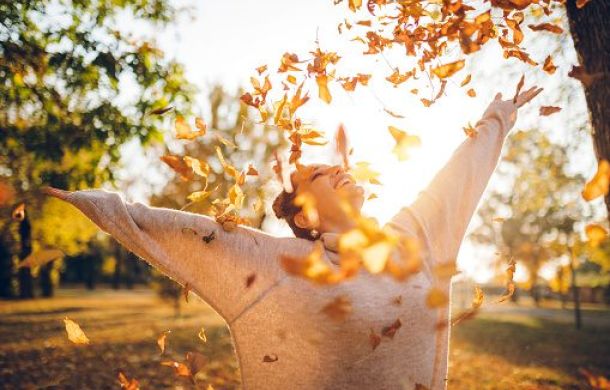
[(75, 333)]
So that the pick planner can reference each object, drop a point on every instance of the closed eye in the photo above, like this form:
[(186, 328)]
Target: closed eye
[(315, 176)]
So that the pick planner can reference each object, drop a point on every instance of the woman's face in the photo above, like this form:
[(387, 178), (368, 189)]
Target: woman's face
[(329, 186)]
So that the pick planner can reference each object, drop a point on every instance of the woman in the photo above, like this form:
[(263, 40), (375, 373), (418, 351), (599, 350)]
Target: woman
[(282, 338)]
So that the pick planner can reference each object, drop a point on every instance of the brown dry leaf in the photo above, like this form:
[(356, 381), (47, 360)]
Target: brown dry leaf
[(161, 111), (312, 267), (196, 362), (18, 213), (436, 298), (520, 55), (426, 102), (390, 330), (448, 70), (548, 65), (404, 143), (546, 27), (288, 63), (41, 257), (184, 130), (549, 110), (323, 92), (179, 166), (471, 92), (580, 73), (251, 171), (75, 333), (396, 78), (339, 309), (250, 280), (599, 184), (7, 194), (466, 80), (374, 339), (395, 115), (341, 145), (397, 300), (581, 3), (597, 382), (162, 339), (128, 384), (209, 238), (596, 234), (270, 358)]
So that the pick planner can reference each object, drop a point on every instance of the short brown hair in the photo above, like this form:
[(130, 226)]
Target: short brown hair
[(285, 209)]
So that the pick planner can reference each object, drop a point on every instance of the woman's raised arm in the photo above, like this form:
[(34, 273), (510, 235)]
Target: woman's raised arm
[(190, 248), (442, 212)]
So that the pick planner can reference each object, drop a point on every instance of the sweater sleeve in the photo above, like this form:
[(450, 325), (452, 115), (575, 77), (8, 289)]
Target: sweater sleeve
[(190, 248), (441, 213)]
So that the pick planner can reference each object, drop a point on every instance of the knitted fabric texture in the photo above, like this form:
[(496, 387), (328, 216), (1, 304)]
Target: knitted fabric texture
[(280, 315)]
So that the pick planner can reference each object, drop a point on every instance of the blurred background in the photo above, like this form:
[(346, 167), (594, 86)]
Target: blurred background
[(86, 90)]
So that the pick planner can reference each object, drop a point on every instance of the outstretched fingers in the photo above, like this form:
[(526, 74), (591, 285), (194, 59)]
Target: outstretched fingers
[(526, 96)]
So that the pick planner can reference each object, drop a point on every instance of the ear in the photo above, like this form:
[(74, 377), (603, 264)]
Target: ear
[(301, 220)]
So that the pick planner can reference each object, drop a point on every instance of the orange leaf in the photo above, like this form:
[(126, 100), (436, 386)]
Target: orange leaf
[(355, 5), (548, 66), (548, 110), (546, 27), (184, 130), (404, 143), (596, 234), (161, 341), (18, 213), (390, 331), (341, 145), (339, 309), (448, 70), (270, 358), (599, 184), (471, 92), (436, 298), (75, 333), (466, 80), (323, 92)]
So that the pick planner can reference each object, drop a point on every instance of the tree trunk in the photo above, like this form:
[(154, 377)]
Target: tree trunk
[(590, 30), (46, 282), (6, 271), (26, 286)]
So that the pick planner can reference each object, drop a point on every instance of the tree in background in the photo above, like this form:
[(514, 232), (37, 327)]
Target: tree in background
[(533, 210), (65, 66)]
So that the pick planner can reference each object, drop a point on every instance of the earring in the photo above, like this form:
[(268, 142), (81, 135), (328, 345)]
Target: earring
[(314, 233)]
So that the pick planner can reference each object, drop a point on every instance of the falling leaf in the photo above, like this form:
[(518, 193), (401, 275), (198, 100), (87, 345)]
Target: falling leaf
[(18, 213), (161, 111), (599, 184), (161, 341), (185, 292), (396, 78), (426, 102), (251, 171), (404, 143), (180, 369), (323, 92), (199, 196), (597, 382), (184, 130), (436, 298), (250, 279), (202, 335), (354, 5), (466, 80), (341, 145), (287, 63), (282, 173), (548, 65), (41, 257), (510, 284), (199, 167), (75, 333), (128, 384), (546, 27), (196, 362), (179, 166), (477, 301), (470, 131), (395, 115), (261, 69), (362, 172), (270, 358), (581, 74), (397, 300), (374, 339), (339, 309), (471, 92), (596, 234), (446, 270), (390, 331), (7, 194), (498, 219), (448, 70), (549, 110), (581, 3)]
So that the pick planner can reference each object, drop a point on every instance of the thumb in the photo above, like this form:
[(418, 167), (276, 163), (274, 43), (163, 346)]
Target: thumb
[(498, 96)]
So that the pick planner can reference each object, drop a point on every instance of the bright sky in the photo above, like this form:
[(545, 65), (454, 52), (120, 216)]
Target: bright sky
[(226, 40)]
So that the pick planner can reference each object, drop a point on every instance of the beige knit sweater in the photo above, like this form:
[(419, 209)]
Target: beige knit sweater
[(280, 316)]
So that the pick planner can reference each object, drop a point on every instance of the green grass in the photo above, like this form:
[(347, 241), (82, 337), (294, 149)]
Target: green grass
[(510, 348)]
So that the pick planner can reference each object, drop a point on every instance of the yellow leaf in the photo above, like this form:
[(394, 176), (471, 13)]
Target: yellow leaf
[(598, 185), (355, 5), (404, 143), (184, 130), (375, 257), (200, 167), (75, 333), (41, 257), (448, 70), (596, 234), (436, 298)]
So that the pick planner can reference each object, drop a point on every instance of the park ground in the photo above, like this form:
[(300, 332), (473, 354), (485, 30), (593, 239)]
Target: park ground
[(505, 347)]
